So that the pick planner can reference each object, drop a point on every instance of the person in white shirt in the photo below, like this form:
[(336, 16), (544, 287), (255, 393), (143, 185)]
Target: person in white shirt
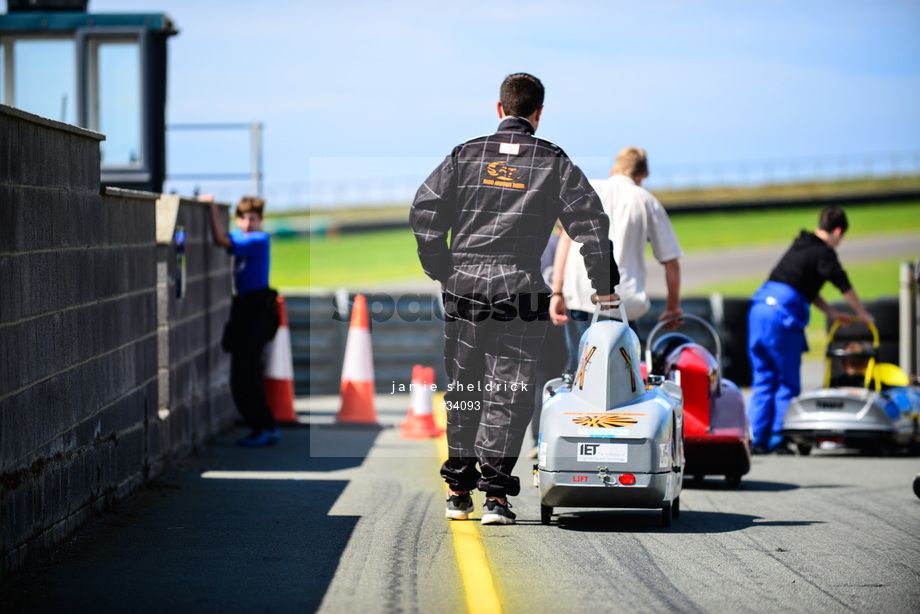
[(636, 218)]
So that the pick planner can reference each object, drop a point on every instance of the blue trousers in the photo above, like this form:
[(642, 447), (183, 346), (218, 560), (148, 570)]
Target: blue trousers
[(775, 348)]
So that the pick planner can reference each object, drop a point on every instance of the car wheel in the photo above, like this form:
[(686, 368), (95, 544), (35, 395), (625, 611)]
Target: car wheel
[(804, 449), (917, 484), (675, 508), (733, 481), (546, 513), (666, 515)]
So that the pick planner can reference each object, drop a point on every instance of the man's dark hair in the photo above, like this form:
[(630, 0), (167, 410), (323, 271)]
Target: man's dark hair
[(833, 217), (521, 94)]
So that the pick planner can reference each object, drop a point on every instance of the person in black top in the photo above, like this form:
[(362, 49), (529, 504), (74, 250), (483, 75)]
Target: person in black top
[(778, 317), (498, 197)]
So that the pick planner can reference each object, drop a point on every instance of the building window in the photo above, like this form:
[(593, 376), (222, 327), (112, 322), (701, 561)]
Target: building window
[(39, 75), (114, 96)]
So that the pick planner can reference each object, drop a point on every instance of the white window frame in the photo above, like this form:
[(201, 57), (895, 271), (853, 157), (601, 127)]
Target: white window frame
[(88, 41), (8, 42)]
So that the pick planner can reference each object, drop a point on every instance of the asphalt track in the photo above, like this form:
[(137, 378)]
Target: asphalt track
[(351, 520)]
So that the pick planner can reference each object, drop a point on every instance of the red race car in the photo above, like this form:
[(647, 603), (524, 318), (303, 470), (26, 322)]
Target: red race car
[(717, 436)]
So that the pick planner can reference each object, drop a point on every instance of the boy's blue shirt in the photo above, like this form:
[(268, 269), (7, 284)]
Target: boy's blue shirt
[(251, 264)]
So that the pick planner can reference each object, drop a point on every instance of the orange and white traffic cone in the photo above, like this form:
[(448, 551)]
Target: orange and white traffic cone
[(419, 423), (357, 387), (278, 377)]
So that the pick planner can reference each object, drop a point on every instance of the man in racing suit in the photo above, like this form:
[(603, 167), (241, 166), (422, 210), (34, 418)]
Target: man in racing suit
[(499, 196)]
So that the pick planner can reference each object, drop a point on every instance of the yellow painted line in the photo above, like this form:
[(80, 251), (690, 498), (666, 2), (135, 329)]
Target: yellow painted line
[(478, 585), (474, 568)]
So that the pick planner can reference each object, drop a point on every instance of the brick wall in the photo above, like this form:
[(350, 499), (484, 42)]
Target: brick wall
[(90, 326), (193, 372)]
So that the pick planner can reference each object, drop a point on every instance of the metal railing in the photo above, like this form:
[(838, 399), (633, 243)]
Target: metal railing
[(811, 169)]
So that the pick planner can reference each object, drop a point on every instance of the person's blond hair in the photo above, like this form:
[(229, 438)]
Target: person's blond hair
[(632, 162)]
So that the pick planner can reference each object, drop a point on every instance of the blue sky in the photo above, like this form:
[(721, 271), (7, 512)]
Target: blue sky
[(366, 97)]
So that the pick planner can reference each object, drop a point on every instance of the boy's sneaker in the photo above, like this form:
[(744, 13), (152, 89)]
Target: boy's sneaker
[(459, 507), (496, 513), (254, 439), (274, 435)]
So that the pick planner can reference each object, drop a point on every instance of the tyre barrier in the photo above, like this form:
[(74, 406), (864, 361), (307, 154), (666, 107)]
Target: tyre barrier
[(408, 330)]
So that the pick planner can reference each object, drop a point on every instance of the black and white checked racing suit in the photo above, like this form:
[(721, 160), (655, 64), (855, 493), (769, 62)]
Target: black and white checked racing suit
[(499, 196)]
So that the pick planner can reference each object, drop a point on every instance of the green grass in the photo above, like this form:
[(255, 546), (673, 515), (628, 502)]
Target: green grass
[(705, 231), (390, 256), (337, 261)]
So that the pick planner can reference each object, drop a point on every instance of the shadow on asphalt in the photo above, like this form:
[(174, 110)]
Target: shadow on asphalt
[(331, 443), (649, 521), (746, 485), (325, 448), (752, 486), (243, 544)]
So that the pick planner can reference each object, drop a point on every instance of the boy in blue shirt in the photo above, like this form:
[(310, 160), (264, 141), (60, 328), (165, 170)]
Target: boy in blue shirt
[(253, 317)]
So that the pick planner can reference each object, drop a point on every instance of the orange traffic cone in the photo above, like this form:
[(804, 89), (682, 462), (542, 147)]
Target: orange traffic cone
[(419, 423), (278, 377), (357, 387)]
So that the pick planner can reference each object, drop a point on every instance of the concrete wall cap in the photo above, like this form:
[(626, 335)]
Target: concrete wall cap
[(125, 193), (167, 211), (6, 109)]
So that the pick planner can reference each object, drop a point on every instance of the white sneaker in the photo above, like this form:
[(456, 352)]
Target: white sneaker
[(459, 507), (495, 513)]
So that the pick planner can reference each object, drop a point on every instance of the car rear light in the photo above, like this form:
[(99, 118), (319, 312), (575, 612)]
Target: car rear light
[(829, 443), (627, 479)]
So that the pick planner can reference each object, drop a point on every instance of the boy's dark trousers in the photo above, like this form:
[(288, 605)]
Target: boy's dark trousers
[(246, 368), (249, 329)]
